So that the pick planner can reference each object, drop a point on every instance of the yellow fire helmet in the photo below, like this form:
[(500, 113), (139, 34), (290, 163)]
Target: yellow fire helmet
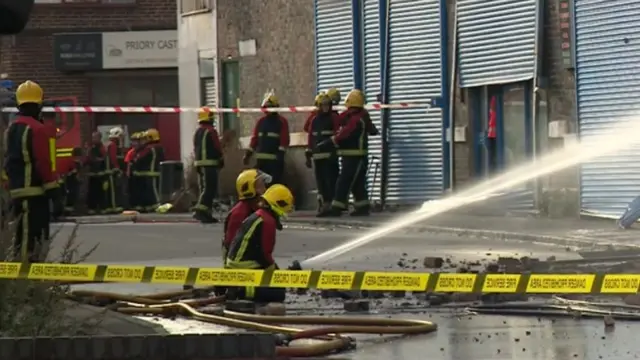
[(136, 136), (204, 116), (320, 98), (270, 99), (29, 92), (334, 95), (153, 134), (280, 199), (246, 183), (354, 99)]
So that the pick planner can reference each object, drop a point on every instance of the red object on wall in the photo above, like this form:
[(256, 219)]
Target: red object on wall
[(168, 126), (491, 131)]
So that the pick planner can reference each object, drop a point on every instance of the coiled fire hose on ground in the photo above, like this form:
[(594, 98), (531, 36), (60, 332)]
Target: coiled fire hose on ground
[(329, 334)]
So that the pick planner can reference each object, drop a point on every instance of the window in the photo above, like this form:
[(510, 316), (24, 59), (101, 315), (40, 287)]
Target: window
[(194, 6)]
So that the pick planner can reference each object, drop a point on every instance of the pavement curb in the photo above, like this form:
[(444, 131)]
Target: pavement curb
[(496, 234), (148, 347)]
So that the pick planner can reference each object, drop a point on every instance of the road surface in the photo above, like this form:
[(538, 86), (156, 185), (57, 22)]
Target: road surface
[(458, 337)]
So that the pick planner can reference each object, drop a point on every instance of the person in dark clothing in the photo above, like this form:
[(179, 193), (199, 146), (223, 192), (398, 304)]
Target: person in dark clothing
[(269, 141), (208, 161), (250, 186), (134, 188), (32, 181), (96, 162), (254, 243), (147, 166), (352, 144), (321, 127), (113, 171), (71, 187)]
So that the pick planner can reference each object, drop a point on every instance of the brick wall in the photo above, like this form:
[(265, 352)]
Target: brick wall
[(284, 60), (30, 54), (283, 30)]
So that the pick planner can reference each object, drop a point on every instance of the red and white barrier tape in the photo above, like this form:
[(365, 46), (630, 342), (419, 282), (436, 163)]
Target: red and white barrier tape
[(173, 110)]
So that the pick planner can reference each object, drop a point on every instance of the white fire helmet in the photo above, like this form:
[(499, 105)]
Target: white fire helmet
[(116, 132)]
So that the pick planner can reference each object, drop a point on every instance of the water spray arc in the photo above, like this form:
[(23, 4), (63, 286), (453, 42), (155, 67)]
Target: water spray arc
[(618, 138)]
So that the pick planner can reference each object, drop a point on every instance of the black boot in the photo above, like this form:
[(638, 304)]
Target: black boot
[(331, 212), (204, 217), (363, 211)]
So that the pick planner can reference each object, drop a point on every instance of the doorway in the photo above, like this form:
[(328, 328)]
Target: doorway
[(230, 93)]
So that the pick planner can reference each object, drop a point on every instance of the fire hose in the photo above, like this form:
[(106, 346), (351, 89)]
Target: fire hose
[(329, 335)]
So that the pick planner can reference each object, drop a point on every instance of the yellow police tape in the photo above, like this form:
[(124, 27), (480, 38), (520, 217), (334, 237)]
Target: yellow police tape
[(328, 279)]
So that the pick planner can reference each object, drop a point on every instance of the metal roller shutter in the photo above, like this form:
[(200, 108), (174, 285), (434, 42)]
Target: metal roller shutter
[(334, 44), (416, 135), (496, 41), (372, 87), (607, 82)]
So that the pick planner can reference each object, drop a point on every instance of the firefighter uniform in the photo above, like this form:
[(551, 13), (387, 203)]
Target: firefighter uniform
[(322, 125), (147, 166), (250, 186), (352, 146), (208, 161), (335, 96), (96, 162), (113, 171), (254, 243), (133, 182), (269, 141), (71, 187), (32, 181)]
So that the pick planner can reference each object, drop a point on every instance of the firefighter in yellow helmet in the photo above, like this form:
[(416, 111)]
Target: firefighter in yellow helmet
[(147, 168), (335, 96), (254, 243), (322, 125), (269, 141), (32, 181), (208, 162), (352, 144), (134, 185)]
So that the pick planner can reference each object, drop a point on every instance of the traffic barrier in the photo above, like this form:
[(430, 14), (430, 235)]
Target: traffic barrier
[(329, 279), (178, 109)]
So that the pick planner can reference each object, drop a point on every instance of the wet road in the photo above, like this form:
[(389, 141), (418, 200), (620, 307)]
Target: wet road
[(459, 336)]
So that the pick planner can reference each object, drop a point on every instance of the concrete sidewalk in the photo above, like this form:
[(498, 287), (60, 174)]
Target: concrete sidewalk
[(557, 231)]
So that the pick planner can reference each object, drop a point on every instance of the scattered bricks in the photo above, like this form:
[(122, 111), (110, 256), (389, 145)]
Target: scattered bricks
[(462, 270), (609, 322), (433, 262), (372, 294), (301, 291), (329, 294), (436, 299), (272, 309), (465, 297), (356, 305), (632, 299), (493, 298), (243, 306), (528, 263), (551, 258), (509, 265), (398, 294), (492, 268)]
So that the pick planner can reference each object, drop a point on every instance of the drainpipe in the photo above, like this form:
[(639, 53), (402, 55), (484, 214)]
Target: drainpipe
[(535, 100), (452, 93), (385, 31)]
